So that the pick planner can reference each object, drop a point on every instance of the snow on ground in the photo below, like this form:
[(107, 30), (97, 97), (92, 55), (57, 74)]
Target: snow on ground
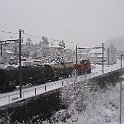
[(104, 113), (97, 68), (102, 106)]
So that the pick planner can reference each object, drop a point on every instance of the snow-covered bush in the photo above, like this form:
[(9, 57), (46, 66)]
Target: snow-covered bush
[(86, 106), (5, 119)]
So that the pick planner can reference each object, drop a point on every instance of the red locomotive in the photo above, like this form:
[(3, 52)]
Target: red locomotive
[(9, 78), (83, 68)]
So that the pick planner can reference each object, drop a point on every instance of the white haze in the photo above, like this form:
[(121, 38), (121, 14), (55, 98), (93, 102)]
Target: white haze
[(87, 22)]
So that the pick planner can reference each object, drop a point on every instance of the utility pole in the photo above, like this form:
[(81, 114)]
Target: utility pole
[(20, 71), (108, 56), (102, 47), (76, 54), (76, 61), (1, 48), (120, 94), (102, 58), (20, 68)]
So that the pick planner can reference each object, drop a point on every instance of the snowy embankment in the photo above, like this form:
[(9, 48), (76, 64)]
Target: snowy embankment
[(89, 107)]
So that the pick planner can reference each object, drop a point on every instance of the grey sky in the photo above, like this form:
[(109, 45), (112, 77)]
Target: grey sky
[(87, 22)]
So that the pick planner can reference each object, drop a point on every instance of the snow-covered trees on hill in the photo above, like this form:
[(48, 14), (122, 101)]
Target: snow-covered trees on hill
[(62, 44), (87, 107)]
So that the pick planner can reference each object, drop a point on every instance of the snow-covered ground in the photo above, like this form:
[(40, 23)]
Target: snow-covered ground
[(86, 107), (90, 107), (100, 107)]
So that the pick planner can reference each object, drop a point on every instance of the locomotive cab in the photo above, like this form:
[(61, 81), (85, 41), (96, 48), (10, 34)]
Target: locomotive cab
[(83, 68)]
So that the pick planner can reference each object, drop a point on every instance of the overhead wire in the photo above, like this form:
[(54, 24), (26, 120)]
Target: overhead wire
[(8, 32), (35, 36)]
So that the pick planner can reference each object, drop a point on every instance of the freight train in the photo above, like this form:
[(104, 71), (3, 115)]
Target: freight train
[(35, 75)]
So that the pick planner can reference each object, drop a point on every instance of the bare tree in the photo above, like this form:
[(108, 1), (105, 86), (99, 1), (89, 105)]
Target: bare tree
[(29, 43), (62, 44), (45, 46), (29, 40)]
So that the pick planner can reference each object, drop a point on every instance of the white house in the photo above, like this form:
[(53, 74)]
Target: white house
[(8, 53), (96, 56)]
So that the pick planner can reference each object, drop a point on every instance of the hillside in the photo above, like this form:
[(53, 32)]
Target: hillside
[(117, 43)]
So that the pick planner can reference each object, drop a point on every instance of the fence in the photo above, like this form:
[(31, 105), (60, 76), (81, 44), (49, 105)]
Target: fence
[(36, 90)]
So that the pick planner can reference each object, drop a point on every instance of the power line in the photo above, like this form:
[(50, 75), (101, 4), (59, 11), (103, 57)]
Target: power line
[(31, 35), (35, 36), (41, 37), (8, 32)]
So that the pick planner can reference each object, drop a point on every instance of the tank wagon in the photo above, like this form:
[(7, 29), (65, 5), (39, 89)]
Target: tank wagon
[(35, 75)]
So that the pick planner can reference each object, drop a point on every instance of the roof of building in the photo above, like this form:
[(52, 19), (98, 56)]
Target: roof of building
[(93, 51), (9, 52)]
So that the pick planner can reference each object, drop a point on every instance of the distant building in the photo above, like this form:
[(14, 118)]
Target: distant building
[(111, 55), (56, 51), (8, 54), (96, 56)]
